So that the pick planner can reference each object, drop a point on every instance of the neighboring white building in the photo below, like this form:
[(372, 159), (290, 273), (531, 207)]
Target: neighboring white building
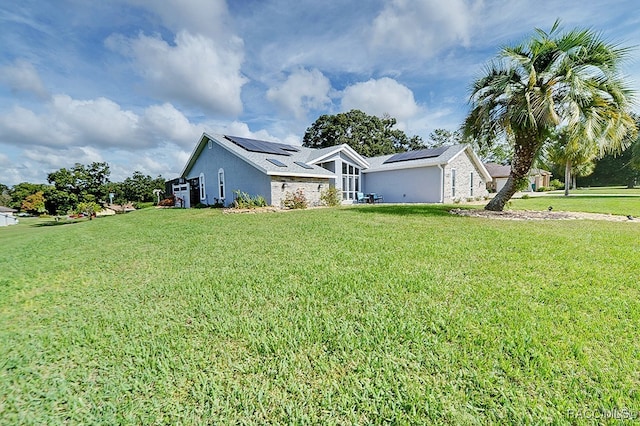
[(7, 217), (538, 178), (222, 164)]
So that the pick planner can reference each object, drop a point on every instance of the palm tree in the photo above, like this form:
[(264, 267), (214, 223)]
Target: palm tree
[(576, 156), (553, 79)]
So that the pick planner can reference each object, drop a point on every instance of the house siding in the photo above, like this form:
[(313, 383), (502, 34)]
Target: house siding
[(238, 175), (414, 185), (463, 166), (311, 187)]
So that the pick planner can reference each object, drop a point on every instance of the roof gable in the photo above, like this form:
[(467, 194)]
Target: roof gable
[(289, 160)]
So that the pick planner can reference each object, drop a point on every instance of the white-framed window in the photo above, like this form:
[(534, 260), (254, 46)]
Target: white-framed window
[(221, 189), (350, 181), (203, 193), (453, 182), (471, 184)]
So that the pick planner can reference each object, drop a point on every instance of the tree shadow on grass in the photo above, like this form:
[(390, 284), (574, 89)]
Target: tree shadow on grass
[(59, 223), (430, 210)]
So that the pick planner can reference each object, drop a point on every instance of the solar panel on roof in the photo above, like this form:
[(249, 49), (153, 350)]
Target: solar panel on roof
[(276, 162), (303, 165), (255, 145), (417, 155)]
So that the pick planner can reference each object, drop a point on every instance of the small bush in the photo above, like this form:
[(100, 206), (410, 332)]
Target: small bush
[(556, 184), (331, 197), (295, 200), (246, 201), (168, 202), (525, 196)]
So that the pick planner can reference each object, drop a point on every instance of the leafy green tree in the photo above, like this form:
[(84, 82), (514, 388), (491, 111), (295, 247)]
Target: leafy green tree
[(88, 208), (5, 195), (81, 183), (553, 78), (139, 187), (368, 135), (21, 191), (34, 203), (577, 159)]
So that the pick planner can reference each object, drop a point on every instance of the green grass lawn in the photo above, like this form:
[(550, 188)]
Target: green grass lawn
[(617, 190), (369, 314), (620, 205)]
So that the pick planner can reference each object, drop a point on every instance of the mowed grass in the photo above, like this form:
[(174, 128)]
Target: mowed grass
[(612, 204), (370, 314)]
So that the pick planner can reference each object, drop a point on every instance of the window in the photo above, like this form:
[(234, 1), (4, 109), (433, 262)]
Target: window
[(471, 184), (203, 193), (350, 181), (453, 182), (221, 184)]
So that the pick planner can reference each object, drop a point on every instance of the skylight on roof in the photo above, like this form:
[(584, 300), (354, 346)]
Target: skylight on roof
[(276, 162), (303, 165)]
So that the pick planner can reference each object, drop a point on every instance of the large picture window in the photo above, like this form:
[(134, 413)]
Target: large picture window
[(350, 181)]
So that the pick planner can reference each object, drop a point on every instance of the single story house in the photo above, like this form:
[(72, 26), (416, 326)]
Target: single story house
[(499, 174), (7, 217), (222, 164)]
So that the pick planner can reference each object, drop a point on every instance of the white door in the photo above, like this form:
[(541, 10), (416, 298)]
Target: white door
[(182, 194)]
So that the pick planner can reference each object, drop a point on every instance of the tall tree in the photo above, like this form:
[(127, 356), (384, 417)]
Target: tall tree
[(553, 78), (368, 135), (5, 195), (577, 159), (20, 191), (79, 184)]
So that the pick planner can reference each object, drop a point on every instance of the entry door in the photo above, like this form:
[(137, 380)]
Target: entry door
[(181, 192)]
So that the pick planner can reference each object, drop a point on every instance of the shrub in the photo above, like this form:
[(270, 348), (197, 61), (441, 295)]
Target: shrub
[(331, 196), (525, 196), (295, 200), (168, 202), (556, 184), (246, 201)]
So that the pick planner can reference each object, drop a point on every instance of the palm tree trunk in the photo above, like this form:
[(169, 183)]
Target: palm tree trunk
[(567, 177), (523, 156)]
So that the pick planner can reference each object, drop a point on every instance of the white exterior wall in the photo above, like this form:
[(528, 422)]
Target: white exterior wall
[(414, 185), (7, 219), (464, 166), (311, 187)]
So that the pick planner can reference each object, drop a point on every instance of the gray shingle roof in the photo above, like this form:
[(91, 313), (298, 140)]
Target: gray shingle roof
[(377, 163), (261, 162)]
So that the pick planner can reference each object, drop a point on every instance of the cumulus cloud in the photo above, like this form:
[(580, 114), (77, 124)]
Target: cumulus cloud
[(69, 121), (21, 76), (423, 27), (99, 123), (379, 97), (194, 70), (302, 92), (166, 123)]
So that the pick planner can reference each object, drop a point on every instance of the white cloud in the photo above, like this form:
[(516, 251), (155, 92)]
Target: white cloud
[(166, 123), (379, 97), (21, 76), (302, 92), (423, 27), (195, 70)]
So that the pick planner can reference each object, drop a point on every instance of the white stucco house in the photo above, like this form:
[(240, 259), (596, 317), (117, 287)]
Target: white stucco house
[(7, 216), (221, 164)]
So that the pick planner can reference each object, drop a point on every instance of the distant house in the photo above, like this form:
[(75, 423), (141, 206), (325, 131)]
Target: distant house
[(538, 178), (7, 216), (220, 165)]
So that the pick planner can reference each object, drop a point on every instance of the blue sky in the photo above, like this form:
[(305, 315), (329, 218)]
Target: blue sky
[(135, 82)]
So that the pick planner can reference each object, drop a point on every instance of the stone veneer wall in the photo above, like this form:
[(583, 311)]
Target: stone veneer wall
[(312, 188), (464, 166)]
